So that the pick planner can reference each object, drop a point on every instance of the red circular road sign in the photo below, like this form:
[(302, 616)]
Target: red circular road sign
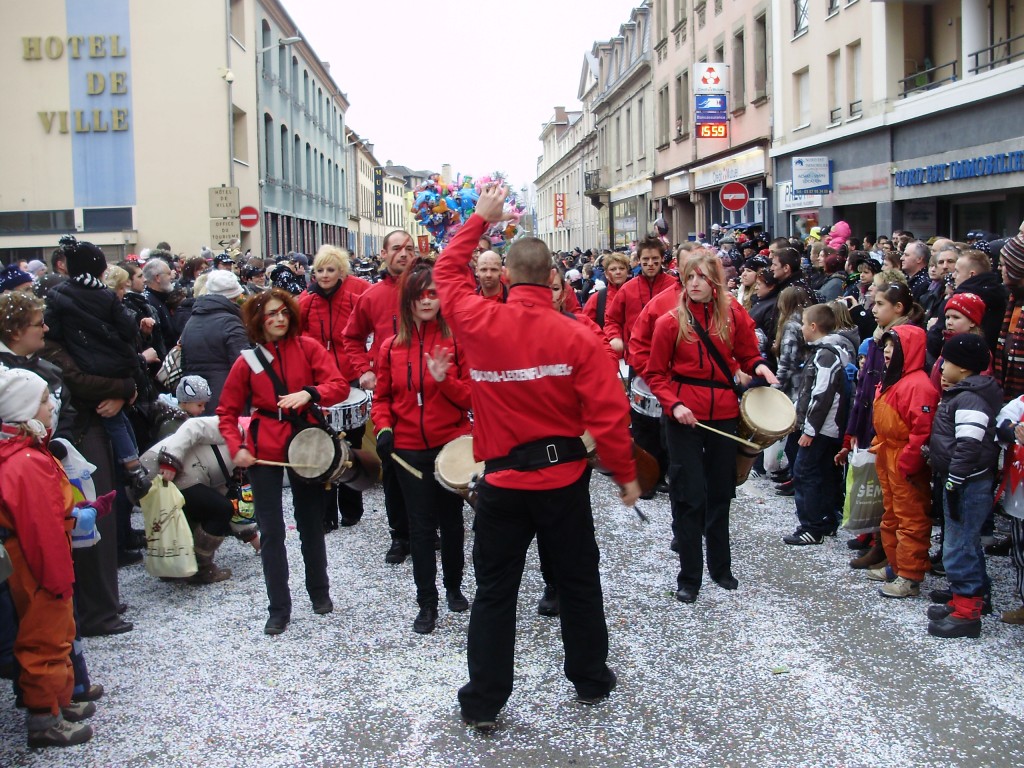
[(248, 217), (733, 196)]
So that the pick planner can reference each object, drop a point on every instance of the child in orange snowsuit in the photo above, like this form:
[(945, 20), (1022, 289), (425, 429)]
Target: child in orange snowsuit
[(903, 413)]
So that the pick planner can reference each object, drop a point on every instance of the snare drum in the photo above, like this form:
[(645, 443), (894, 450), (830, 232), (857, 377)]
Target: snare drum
[(766, 416), (455, 467), (350, 414), (642, 400)]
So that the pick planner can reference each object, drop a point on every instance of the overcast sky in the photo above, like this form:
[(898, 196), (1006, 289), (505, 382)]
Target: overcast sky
[(470, 84)]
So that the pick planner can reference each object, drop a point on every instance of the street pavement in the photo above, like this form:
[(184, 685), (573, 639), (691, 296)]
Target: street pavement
[(804, 665)]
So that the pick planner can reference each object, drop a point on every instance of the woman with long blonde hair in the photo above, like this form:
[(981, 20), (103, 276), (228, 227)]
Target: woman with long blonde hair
[(697, 352)]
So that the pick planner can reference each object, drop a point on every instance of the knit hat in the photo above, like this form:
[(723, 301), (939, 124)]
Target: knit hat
[(970, 305), (11, 277), (21, 392), (193, 389), (36, 268), (223, 283), (83, 258), (1013, 257), (968, 350)]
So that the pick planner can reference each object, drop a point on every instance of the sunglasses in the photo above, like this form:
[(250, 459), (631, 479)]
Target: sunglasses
[(428, 294)]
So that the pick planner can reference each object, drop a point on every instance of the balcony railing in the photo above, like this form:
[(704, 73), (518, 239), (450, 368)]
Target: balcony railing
[(996, 55), (856, 108), (927, 79)]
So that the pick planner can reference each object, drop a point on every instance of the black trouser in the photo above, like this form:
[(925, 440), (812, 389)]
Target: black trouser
[(542, 547), (308, 502), (702, 483), (647, 433), (394, 501), (209, 508), (430, 506), (505, 524)]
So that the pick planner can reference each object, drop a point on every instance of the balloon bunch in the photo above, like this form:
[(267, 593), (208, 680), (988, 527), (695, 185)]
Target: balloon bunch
[(442, 208), (505, 232), (436, 208)]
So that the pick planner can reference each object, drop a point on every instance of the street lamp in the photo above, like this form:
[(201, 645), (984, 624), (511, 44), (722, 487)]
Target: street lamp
[(281, 41)]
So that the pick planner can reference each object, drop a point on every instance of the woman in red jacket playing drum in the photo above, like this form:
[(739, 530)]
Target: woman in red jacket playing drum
[(420, 404), (693, 387), (308, 375)]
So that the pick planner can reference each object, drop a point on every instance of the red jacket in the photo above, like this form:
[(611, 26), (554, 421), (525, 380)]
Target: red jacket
[(535, 373), (595, 329), (590, 308), (690, 359), (324, 318), (422, 412), (630, 302), (375, 312), (643, 329), (913, 399), (35, 504), (300, 363)]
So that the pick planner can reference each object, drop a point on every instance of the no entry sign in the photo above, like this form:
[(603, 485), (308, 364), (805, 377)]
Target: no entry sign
[(733, 196), (249, 217)]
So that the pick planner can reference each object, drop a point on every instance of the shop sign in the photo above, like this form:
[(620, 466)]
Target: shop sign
[(791, 201), (812, 174), (559, 209), (960, 170)]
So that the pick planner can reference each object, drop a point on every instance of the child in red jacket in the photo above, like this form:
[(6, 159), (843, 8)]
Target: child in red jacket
[(36, 520), (903, 413)]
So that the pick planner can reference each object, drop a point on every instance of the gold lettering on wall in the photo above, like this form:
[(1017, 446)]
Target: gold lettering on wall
[(118, 83), (119, 119), (97, 46), (32, 48), (95, 83), (74, 45), (116, 51), (54, 47)]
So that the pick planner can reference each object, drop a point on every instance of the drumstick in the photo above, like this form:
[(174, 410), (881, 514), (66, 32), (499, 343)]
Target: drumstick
[(407, 466), (270, 463), (640, 513), (739, 440)]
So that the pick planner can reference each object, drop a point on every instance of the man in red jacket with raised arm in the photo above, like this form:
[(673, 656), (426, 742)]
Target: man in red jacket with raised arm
[(538, 380)]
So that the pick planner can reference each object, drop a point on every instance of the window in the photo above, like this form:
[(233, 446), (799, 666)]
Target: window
[(282, 66), (799, 16), (641, 138), (240, 134), (680, 10), (284, 153), (663, 116), (297, 162), (268, 145), (739, 68), (16, 222), (310, 177), (682, 104), (265, 27), (629, 136), (833, 7), (106, 219), (802, 97), (294, 83), (853, 79), (760, 57), (237, 14), (305, 88), (618, 142), (662, 19), (835, 89), (720, 53)]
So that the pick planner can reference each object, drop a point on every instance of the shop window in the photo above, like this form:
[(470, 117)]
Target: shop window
[(22, 222), (106, 219)]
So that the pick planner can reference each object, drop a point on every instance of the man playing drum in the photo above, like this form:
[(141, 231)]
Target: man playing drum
[(528, 404)]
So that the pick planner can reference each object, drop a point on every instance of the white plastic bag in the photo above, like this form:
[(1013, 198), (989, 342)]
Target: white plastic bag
[(170, 551), (775, 459)]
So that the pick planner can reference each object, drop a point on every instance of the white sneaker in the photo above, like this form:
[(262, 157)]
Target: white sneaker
[(878, 574), (48, 730), (900, 587)]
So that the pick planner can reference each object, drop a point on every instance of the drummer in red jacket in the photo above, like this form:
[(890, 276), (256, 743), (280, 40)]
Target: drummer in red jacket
[(693, 387), (305, 373), (421, 404), (532, 373), (325, 308), (376, 315)]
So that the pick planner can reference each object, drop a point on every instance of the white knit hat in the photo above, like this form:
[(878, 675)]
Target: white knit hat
[(223, 283), (21, 392)]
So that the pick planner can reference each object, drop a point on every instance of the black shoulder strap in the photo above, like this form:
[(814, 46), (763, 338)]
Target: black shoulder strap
[(279, 388), (716, 356), (221, 463), (602, 300)]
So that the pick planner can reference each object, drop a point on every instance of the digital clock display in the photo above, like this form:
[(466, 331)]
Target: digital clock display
[(713, 130)]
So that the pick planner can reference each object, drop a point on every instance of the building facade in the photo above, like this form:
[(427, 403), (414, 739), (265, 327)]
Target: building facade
[(691, 169), (565, 218), (912, 107)]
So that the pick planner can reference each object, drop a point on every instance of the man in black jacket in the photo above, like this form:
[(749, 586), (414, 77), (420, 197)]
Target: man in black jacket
[(157, 274)]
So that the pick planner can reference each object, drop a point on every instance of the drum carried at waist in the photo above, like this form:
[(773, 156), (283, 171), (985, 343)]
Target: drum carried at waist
[(318, 456), (455, 467), (766, 416), (642, 400), (350, 414)]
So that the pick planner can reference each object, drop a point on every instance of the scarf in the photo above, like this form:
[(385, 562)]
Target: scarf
[(88, 281), (880, 331)]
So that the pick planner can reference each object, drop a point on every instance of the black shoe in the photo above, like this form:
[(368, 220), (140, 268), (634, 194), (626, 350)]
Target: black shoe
[(126, 557), (950, 626), (786, 490), (944, 596), (480, 724), (780, 477), (122, 608), (275, 625), (686, 595), (939, 611), (548, 603), (674, 546), (323, 605), (398, 551), (330, 525), (437, 542), (425, 621), (457, 602), (728, 582), (1000, 549), (347, 521), (592, 700), (787, 485), (112, 629), (661, 487), (801, 538), (859, 542)]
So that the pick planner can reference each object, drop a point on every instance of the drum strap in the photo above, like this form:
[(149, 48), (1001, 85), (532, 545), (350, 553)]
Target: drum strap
[(716, 356), (280, 390), (700, 382), (538, 454)]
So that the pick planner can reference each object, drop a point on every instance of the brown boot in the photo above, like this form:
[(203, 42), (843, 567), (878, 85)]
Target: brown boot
[(205, 546), (874, 557)]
